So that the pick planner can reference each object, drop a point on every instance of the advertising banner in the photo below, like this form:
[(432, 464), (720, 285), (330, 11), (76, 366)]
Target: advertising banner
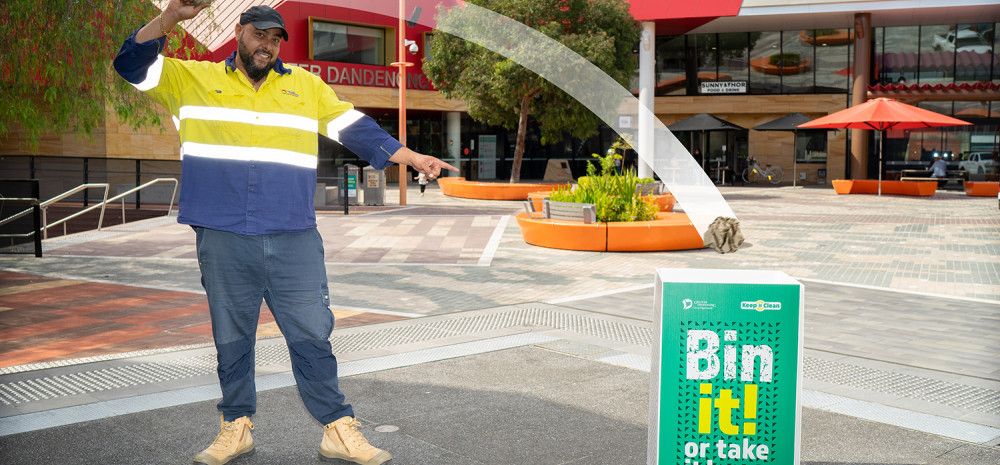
[(726, 368)]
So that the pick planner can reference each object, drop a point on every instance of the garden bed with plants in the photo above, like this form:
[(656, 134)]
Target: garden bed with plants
[(627, 221)]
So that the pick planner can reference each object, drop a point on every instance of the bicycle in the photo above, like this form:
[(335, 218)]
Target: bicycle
[(754, 173)]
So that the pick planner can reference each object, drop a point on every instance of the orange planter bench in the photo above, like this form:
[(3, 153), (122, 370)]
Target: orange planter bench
[(841, 37), (870, 186), (665, 202), (763, 65), (459, 187), (982, 189), (669, 231)]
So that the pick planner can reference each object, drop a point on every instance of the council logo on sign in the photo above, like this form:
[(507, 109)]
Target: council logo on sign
[(691, 304), (759, 305)]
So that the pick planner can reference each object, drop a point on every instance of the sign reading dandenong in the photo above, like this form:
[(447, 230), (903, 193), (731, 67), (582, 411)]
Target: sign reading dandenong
[(727, 355)]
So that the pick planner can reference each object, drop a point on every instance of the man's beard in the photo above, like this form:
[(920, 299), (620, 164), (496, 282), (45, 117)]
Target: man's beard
[(254, 72)]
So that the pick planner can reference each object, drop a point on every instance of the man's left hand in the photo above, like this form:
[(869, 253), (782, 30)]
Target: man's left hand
[(426, 164)]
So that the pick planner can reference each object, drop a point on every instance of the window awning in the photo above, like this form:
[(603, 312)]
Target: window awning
[(963, 91), (897, 62)]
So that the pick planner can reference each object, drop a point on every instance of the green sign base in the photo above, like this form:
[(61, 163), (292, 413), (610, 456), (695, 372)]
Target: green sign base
[(726, 368)]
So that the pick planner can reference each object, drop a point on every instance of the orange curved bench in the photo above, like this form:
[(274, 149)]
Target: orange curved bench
[(982, 189), (665, 202), (763, 65), (459, 187), (669, 231), (841, 37), (870, 186)]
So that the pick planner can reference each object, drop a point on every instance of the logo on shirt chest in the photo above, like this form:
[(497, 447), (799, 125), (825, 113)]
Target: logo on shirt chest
[(289, 92)]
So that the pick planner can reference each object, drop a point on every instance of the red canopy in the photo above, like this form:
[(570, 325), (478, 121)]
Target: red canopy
[(881, 114)]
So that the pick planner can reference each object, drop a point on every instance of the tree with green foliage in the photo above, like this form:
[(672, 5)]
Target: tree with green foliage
[(56, 75), (500, 92)]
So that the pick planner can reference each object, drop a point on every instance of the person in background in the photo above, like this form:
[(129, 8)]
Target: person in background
[(939, 169), (422, 181)]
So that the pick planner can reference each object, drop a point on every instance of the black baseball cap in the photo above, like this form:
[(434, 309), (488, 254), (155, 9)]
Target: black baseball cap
[(264, 17)]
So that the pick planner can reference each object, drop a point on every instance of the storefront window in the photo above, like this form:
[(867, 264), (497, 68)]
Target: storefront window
[(671, 76), (996, 53), (832, 59), (980, 141), (733, 62), (937, 54), (705, 53), (764, 74), (348, 43), (810, 146), (937, 143), (973, 52), (796, 62), (428, 36), (899, 62)]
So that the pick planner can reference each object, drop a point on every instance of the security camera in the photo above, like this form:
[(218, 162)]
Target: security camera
[(411, 45)]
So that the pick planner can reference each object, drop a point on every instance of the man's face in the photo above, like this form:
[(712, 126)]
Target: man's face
[(258, 49)]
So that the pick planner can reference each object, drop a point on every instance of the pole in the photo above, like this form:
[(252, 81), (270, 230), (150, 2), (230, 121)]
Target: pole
[(645, 146), (138, 180), (402, 64), (795, 156), (881, 140)]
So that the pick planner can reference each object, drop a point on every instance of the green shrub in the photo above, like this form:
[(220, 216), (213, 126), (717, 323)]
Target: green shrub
[(785, 59), (612, 193)]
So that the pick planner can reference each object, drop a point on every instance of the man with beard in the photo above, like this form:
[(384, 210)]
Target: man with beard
[(249, 154)]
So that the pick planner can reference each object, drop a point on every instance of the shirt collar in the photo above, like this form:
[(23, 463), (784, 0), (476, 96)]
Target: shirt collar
[(279, 67)]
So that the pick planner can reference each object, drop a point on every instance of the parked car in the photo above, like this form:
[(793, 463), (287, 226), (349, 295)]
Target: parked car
[(979, 163), (965, 40)]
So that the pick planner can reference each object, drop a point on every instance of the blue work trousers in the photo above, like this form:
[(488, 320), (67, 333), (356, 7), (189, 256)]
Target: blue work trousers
[(287, 271)]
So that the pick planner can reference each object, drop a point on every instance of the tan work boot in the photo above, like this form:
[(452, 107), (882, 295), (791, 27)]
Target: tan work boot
[(342, 440), (234, 440)]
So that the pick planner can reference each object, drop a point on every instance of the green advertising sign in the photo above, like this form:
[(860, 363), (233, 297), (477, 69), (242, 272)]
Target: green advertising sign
[(352, 185), (727, 358)]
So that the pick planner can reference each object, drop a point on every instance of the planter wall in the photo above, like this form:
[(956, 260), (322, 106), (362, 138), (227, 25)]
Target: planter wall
[(842, 37), (459, 187), (669, 231), (870, 186), (982, 189), (763, 65)]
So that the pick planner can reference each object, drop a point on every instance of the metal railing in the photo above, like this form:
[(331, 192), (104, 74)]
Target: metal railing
[(82, 187), (137, 189), (100, 222)]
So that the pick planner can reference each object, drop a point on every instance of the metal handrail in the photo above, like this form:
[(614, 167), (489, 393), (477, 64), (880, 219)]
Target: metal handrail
[(137, 189), (82, 187), (19, 214)]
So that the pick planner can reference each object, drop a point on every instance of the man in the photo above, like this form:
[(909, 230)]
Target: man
[(249, 154), (939, 169)]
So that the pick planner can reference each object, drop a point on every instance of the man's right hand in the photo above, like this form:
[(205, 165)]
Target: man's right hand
[(175, 12), (183, 10)]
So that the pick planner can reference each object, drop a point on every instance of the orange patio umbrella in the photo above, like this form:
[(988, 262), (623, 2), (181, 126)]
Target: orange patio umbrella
[(881, 114)]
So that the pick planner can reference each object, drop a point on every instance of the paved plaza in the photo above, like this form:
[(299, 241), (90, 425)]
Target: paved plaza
[(461, 344)]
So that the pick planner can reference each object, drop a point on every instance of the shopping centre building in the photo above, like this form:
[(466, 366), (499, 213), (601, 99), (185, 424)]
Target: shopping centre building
[(747, 62)]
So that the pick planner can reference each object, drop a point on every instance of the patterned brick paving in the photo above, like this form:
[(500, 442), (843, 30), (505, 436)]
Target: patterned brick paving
[(46, 319), (426, 262)]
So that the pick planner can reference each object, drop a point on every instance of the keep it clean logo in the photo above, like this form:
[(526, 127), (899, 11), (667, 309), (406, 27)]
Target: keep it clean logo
[(759, 305)]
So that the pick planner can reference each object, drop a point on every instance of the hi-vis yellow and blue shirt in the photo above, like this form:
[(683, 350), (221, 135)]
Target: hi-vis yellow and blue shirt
[(249, 157)]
